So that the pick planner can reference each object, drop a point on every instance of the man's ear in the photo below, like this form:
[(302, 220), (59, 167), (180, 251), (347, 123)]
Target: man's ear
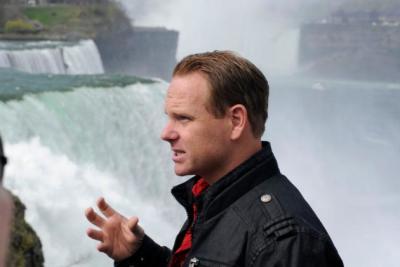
[(238, 119)]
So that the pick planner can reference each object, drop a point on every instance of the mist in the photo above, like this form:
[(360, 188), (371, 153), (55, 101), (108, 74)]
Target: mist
[(266, 32), (336, 140)]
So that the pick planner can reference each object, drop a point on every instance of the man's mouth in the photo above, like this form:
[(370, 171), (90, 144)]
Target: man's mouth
[(177, 155)]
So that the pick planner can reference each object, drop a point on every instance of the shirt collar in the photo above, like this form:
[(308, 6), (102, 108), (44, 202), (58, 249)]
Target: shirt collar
[(232, 185)]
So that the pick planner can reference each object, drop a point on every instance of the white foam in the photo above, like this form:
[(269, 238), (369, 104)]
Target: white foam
[(56, 192), (68, 148)]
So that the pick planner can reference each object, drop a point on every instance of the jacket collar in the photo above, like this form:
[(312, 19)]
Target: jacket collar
[(230, 187)]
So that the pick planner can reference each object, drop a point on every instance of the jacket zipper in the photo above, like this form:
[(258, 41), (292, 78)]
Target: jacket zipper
[(194, 262)]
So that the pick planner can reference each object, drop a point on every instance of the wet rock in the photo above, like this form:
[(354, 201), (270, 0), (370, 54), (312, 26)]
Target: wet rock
[(25, 248)]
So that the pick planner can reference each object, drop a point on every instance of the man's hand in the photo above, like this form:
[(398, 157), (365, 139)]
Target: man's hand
[(119, 237)]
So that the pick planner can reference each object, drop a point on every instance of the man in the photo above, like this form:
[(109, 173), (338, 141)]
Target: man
[(5, 211), (241, 210)]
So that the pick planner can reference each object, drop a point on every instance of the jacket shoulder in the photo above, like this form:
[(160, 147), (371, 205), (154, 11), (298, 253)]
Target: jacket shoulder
[(274, 212), (276, 201)]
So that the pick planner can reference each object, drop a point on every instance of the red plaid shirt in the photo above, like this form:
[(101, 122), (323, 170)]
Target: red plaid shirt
[(180, 254)]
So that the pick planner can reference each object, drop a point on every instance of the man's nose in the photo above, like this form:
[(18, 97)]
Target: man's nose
[(169, 133)]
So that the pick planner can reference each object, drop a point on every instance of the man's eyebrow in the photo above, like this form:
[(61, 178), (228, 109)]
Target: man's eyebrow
[(178, 114)]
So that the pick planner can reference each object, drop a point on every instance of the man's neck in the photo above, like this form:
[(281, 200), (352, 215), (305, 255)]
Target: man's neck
[(240, 154)]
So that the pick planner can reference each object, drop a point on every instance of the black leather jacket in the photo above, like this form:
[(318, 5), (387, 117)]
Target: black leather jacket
[(253, 216)]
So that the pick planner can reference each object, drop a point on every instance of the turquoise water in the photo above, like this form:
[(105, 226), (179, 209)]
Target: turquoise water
[(15, 84), (72, 138)]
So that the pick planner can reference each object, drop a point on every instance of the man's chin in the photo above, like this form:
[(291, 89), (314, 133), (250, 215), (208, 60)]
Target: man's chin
[(182, 172)]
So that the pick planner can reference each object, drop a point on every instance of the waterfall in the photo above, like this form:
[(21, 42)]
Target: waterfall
[(67, 148), (52, 57)]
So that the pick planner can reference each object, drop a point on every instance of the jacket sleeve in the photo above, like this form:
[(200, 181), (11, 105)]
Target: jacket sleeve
[(150, 254), (298, 250)]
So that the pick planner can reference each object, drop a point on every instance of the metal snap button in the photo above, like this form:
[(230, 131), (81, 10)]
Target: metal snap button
[(266, 198)]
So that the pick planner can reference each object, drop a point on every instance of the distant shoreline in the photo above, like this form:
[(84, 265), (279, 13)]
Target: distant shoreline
[(31, 37), (41, 37)]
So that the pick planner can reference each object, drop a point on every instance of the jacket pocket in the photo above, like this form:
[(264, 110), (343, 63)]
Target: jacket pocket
[(201, 262)]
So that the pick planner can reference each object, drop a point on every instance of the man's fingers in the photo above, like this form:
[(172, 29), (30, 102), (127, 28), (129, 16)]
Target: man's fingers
[(102, 248), (94, 218), (105, 208), (132, 223), (137, 231), (95, 234)]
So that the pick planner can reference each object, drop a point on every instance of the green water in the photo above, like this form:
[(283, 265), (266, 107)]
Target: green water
[(15, 84)]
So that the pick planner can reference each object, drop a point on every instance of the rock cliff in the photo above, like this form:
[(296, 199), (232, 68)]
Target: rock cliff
[(25, 247)]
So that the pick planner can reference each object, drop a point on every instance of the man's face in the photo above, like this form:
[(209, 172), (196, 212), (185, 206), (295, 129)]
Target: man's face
[(199, 141)]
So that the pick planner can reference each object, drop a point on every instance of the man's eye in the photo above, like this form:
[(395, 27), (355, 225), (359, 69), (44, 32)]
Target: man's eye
[(183, 118)]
